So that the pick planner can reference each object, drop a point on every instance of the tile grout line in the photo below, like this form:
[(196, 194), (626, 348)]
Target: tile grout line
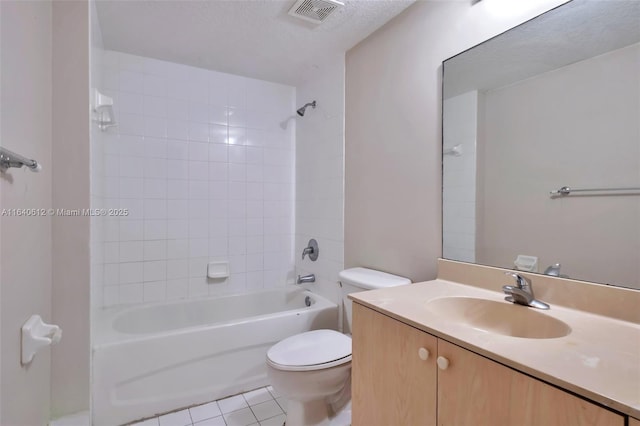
[(251, 409), (221, 413)]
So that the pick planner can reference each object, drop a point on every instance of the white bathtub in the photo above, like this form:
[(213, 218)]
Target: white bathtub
[(152, 359)]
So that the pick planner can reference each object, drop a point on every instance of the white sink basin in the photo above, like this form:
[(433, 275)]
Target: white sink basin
[(502, 318)]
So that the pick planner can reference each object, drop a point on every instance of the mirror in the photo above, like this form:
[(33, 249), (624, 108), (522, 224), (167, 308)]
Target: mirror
[(552, 103)]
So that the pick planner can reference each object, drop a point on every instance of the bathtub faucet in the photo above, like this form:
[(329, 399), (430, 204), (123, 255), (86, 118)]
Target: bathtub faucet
[(306, 279), (311, 250)]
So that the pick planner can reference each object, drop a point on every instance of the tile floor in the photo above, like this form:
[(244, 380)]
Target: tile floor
[(260, 407)]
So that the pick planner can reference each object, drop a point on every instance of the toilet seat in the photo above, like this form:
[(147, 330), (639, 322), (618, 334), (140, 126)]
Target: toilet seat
[(312, 350)]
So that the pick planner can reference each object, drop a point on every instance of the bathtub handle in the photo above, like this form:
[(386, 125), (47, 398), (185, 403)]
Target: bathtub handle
[(312, 250)]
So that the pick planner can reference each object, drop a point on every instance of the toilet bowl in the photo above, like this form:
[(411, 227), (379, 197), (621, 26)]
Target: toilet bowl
[(313, 369)]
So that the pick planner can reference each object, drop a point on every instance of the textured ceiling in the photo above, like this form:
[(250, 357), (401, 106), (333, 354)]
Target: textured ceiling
[(254, 38), (570, 33)]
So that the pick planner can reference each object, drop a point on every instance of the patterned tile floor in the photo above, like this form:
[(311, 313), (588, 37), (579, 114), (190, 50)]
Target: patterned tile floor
[(260, 407)]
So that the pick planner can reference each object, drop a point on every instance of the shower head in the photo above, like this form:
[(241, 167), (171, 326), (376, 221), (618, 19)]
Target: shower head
[(301, 110)]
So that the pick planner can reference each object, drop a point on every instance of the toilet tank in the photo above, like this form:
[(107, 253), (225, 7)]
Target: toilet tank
[(362, 279)]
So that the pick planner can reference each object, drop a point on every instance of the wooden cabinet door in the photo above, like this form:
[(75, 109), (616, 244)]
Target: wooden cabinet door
[(471, 391), (634, 422), (392, 385), (476, 391)]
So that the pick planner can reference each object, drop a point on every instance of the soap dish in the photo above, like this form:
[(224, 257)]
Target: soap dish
[(218, 270), (526, 263)]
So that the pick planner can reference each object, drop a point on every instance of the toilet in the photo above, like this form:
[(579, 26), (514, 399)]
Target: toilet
[(313, 369)]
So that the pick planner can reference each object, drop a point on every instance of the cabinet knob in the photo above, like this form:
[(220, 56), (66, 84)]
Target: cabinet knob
[(423, 354), (442, 362)]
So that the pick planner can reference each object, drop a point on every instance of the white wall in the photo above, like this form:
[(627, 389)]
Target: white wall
[(25, 278), (320, 176), (205, 166), (459, 177), (392, 129)]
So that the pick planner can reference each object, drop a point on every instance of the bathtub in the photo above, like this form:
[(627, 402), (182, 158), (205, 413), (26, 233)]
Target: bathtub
[(152, 359)]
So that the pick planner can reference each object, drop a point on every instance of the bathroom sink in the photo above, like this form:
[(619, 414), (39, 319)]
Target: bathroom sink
[(496, 317)]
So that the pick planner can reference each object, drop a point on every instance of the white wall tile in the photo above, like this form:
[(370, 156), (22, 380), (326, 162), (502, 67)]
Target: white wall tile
[(218, 152), (131, 146), (177, 129), (177, 268), (155, 229), (198, 170), (178, 169), (131, 82), (199, 112), (177, 289), (155, 106), (219, 172), (177, 228), (177, 150), (155, 85), (178, 249), (218, 134), (177, 109), (131, 124), (131, 293), (236, 136), (130, 230), (155, 188), (199, 189), (198, 132), (131, 103), (154, 291), (237, 154), (218, 246), (178, 209), (237, 172), (111, 274), (155, 270), (155, 250), (189, 166), (155, 127), (155, 148), (130, 272), (198, 267), (155, 209), (218, 115)]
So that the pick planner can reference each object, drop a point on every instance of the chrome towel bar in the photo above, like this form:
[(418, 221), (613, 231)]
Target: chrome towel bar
[(11, 159), (565, 190)]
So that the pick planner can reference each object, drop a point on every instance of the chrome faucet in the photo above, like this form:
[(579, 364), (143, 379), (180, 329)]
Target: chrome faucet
[(522, 292), (306, 279), (312, 250)]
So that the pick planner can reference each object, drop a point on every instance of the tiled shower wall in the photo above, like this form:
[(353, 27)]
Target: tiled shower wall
[(320, 176), (204, 163), (459, 177)]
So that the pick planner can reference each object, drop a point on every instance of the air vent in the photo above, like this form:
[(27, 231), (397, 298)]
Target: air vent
[(315, 11)]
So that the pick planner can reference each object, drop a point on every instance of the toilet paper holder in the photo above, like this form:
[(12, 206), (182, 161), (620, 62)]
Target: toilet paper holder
[(36, 335)]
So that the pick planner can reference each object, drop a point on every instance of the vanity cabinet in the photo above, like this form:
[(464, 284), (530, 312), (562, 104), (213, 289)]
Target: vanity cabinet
[(395, 376), (396, 382)]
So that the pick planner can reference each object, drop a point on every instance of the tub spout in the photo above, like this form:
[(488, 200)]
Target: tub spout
[(306, 279)]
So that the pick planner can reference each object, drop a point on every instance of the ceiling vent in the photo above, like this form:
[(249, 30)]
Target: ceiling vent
[(315, 11)]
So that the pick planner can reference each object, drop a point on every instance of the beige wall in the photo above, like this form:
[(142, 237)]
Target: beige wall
[(71, 263), (393, 127), (575, 126), (25, 280)]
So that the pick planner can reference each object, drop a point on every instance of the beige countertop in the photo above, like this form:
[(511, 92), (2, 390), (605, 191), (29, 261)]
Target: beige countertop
[(599, 359)]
